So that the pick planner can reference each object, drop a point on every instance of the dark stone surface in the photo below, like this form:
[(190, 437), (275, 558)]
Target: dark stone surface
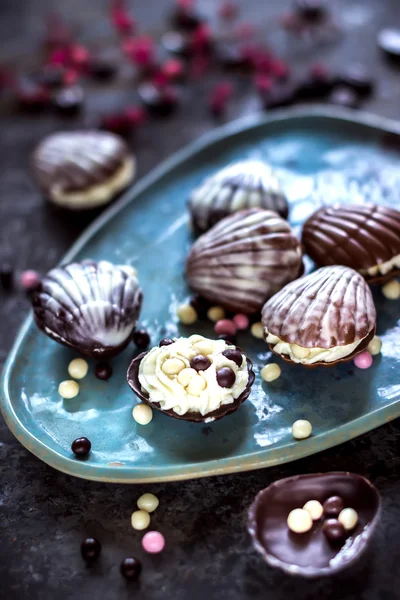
[(44, 514)]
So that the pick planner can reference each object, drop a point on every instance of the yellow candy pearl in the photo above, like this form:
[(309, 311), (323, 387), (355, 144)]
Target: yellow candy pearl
[(186, 314), (375, 346), (140, 519), (148, 502), (216, 313), (391, 290), (68, 389), (314, 508), (78, 368), (257, 330), (173, 366), (142, 413), (270, 372), (301, 429), (299, 520), (348, 518)]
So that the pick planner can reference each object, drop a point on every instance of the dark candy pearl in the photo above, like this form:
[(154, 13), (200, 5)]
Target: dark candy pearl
[(358, 79), (90, 549), (141, 338), (234, 355), (131, 568), (310, 9), (333, 506), (200, 362), (166, 342), (51, 76), (69, 100), (158, 101), (102, 67), (6, 277), (344, 96), (334, 530), (103, 371), (81, 447), (226, 377), (281, 95), (200, 305), (186, 19), (229, 339)]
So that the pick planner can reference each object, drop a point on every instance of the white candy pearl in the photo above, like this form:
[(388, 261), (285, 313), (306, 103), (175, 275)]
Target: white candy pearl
[(270, 372), (375, 345), (173, 366), (216, 313), (348, 518), (140, 519), (148, 502), (299, 351), (142, 413), (314, 508), (196, 385), (186, 375), (299, 520), (257, 330), (78, 368), (68, 389), (186, 314), (301, 429), (391, 290)]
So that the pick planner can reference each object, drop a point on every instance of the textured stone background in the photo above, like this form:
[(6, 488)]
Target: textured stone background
[(44, 515)]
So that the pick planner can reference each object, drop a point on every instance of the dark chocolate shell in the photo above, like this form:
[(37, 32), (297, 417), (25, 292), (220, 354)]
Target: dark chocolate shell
[(244, 259), (359, 236), (242, 185), (90, 306), (310, 554), (134, 384), (331, 307)]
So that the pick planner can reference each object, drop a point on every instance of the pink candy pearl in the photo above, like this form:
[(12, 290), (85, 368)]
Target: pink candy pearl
[(241, 321), (153, 542), (30, 279), (225, 327), (363, 360)]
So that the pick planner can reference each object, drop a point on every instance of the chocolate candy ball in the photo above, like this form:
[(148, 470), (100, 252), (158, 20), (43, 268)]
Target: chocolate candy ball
[(334, 530), (69, 100), (81, 447), (333, 506), (200, 362), (90, 549), (226, 377), (131, 567), (141, 338), (103, 371), (234, 355), (166, 342)]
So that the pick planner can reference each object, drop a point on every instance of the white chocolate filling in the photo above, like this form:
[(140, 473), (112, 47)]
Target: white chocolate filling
[(98, 194), (383, 268), (165, 374), (308, 356)]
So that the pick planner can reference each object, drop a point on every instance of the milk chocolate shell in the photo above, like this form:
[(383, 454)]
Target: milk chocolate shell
[(327, 309), (82, 169), (244, 259), (90, 306), (195, 417), (359, 236), (311, 554), (248, 184)]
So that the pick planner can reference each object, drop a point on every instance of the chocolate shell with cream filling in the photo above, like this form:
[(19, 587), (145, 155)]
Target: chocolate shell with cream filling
[(363, 237), (242, 185), (321, 319), (244, 259)]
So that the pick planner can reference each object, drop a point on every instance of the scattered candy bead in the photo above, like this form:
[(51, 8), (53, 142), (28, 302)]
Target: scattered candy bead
[(333, 506), (186, 314), (148, 502), (257, 330), (363, 360), (78, 368), (301, 429), (142, 413), (226, 377), (200, 363), (153, 542), (29, 280), (314, 508), (270, 372), (90, 549), (141, 338), (348, 517), (235, 355), (391, 290), (241, 321), (81, 447), (216, 313), (299, 520), (130, 568), (68, 389), (375, 345), (166, 342), (140, 519), (334, 530), (103, 371), (172, 366), (225, 326)]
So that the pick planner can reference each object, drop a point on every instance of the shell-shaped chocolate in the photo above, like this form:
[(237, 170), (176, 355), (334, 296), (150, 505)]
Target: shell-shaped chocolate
[(242, 185), (244, 259), (331, 307), (90, 306), (359, 236)]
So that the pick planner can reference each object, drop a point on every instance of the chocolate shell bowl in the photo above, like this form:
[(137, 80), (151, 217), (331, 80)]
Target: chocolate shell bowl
[(195, 417), (312, 554)]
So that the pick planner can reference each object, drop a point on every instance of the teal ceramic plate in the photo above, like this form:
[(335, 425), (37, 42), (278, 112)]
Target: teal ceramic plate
[(322, 156)]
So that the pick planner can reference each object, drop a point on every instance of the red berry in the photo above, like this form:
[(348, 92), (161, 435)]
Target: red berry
[(201, 38), (117, 123), (121, 18), (70, 77), (173, 69), (135, 115), (228, 10), (262, 82), (139, 50), (60, 56), (279, 68), (79, 56), (319, 71)]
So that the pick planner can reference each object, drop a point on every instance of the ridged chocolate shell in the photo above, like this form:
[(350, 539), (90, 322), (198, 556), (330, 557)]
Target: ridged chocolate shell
[(247, 184), (134, 383), (90, 306), (331, 307), (358, 236), (244, 259)]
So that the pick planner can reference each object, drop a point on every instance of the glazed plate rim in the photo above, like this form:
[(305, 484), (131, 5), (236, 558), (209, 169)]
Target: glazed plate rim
[(248, 462)]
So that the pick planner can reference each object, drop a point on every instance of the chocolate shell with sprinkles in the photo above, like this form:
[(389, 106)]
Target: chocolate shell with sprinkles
[(90, 306), (242, 185)]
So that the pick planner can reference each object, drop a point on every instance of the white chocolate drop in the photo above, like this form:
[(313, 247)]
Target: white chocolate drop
[(348, 518), (140, 519), (78, 368), (391, 290), (301, 429), (68, 389), (148, 502), (314, 508), (216, 313), (375, 346), (257, 330), (186, 314), (142, 413), (299, 520), (270, 372), (173, 366)]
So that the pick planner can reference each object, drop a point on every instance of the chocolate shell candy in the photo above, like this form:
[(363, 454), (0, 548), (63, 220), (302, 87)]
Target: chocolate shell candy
[(311, 554), (363, 237), (195, 417), (244, 259), (330, 308), (248, 184), (90, 306)]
